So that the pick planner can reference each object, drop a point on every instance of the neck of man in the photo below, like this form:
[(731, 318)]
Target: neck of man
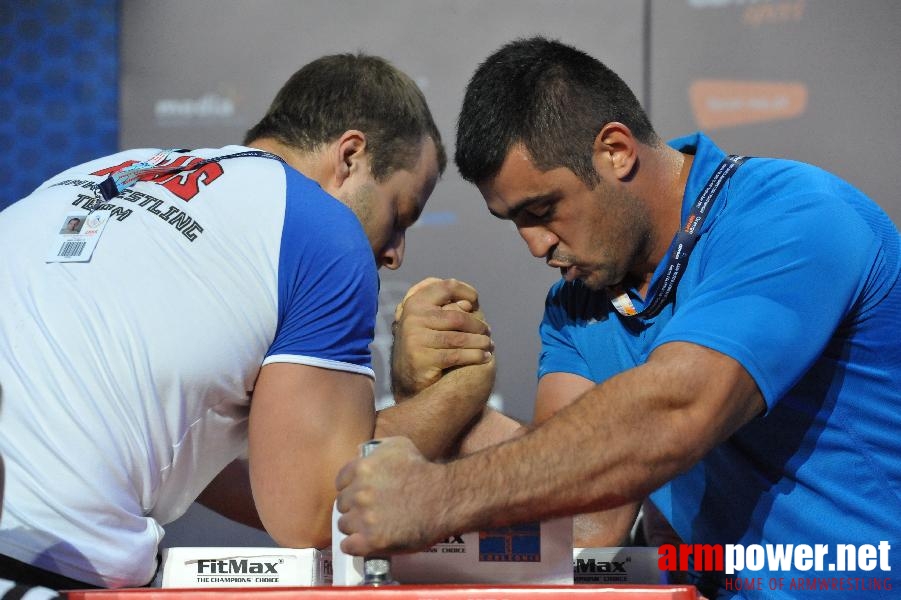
[(665, 173), (311, 164)]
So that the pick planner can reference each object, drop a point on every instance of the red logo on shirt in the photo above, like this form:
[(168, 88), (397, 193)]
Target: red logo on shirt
[(184, 183)]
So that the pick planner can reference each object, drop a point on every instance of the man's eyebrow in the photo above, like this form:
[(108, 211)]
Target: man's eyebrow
[(524, 204)]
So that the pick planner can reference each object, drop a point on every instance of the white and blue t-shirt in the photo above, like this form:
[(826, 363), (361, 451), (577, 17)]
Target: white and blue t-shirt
[(127, 379)]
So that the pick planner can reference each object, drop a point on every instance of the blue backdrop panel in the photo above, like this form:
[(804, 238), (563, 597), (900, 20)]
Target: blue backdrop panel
[(59, 72)]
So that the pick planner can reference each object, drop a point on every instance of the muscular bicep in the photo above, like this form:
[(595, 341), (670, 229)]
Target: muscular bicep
[(703, 394), (305, 423), (229, 495)]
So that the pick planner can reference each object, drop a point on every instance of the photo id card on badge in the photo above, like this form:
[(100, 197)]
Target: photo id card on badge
[(78, 236)]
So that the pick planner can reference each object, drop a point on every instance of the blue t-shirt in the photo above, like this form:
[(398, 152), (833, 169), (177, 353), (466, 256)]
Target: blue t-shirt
[(795, 276)]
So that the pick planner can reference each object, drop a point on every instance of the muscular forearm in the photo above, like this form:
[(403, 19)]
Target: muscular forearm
[(435, 418), (489, 428), (633, 432), (615, 444)]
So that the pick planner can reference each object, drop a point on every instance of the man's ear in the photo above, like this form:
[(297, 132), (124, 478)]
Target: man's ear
[(615, 151), (349, 155)]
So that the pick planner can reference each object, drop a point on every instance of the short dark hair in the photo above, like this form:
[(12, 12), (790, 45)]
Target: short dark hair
[(339, 92), (552, 98)]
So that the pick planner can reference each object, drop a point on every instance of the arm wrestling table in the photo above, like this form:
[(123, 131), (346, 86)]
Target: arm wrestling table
[(402, 592)]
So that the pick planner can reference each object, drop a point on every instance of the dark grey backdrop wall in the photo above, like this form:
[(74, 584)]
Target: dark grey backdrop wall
[(816, 80)]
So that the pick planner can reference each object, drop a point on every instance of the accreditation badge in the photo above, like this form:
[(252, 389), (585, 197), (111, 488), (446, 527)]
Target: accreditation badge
[(77, 236)]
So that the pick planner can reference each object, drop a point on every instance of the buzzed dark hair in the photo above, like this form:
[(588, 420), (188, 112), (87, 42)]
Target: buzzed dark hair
[(339, 92), (552, 98)]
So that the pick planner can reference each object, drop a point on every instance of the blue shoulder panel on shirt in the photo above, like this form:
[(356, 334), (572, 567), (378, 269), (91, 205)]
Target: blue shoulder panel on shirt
[(328, 281)]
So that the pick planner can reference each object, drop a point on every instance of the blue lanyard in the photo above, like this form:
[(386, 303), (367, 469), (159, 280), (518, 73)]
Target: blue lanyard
[(683, 243), (123, 179)]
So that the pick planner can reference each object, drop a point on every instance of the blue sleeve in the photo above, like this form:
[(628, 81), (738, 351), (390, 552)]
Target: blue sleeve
[(774, 280), (327, 283), (559, 353)]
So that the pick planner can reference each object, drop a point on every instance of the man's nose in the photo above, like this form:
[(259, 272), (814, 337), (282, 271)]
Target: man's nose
[(539, 240), (393, 255)]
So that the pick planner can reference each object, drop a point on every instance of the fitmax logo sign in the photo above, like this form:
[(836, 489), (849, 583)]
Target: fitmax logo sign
[(590, 565), (235, 566)]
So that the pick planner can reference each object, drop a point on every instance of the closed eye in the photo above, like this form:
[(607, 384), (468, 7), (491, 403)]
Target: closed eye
[(537, 207), (540, 207), (539, 213)]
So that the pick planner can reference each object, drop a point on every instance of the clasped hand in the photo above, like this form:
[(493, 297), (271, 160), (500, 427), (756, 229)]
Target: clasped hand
[(437, 326), (441, 341)]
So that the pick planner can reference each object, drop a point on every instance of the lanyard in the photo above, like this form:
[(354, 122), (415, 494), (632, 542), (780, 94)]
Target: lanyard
[(123, 179), (682, 245)]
